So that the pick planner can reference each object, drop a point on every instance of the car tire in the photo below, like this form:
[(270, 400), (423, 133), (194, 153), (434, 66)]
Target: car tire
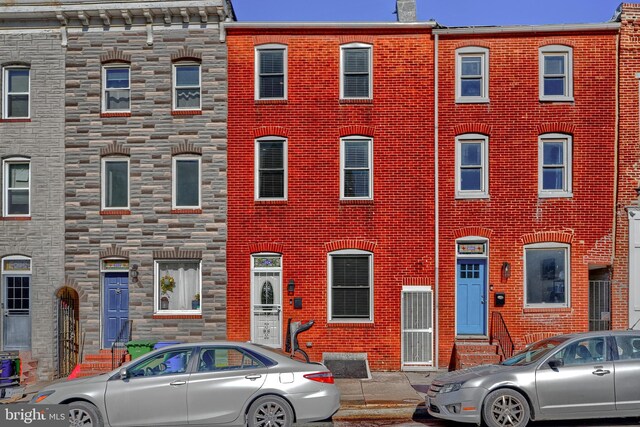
[(270, 411), (84, 414), (505, 408)]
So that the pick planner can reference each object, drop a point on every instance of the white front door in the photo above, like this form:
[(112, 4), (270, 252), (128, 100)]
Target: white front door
[(266, 295)]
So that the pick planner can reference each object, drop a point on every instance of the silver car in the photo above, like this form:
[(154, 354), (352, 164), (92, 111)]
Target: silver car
[(223, 383), (575, 376)]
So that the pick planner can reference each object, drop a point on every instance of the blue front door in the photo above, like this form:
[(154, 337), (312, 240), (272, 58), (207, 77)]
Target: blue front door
[(116, 305), (471, 297)]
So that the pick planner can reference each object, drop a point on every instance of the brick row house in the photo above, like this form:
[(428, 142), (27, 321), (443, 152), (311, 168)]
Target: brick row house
[(405, 184)]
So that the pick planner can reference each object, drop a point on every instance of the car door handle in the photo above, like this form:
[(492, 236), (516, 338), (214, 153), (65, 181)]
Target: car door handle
[(600, 372), (253, 377), (178, 383)]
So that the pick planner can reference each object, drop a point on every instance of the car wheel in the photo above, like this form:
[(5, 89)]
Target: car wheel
[(505, 408), (270, 411), (84, 414)]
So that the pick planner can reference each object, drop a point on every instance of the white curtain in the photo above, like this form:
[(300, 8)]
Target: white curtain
[(187, 278)]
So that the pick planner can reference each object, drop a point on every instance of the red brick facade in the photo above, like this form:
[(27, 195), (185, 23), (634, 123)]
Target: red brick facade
[(398, 225)]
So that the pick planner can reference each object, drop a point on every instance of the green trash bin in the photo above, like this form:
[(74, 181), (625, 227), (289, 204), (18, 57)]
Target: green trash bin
[(137, 348)]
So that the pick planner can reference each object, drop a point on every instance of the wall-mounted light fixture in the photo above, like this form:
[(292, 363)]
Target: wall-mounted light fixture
[(291, 287), (134, 273), (506, 270)]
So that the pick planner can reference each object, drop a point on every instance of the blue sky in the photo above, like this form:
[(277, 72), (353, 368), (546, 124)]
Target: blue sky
[(446, 12)]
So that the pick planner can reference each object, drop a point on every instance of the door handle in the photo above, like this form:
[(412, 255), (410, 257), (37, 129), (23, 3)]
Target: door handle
[(253, 377), (600, 372), (482, 300), (178, 383)]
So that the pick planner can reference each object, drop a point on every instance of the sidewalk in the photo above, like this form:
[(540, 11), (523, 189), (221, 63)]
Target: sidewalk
[(387, 395)]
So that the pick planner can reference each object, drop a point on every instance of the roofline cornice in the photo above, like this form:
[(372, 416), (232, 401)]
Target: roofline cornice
[(552, 28), (330, 25)]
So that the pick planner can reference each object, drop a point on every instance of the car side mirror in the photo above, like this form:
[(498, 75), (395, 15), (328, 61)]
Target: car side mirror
[(556, 363), (124, 374)]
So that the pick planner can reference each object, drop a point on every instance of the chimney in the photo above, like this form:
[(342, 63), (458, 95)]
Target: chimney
[(406, 10)]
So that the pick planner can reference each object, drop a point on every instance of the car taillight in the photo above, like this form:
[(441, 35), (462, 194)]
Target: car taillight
[(321, 377)]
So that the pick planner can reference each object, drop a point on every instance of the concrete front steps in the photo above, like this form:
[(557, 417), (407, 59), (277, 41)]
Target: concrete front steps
[(474, 352), (99, 363)]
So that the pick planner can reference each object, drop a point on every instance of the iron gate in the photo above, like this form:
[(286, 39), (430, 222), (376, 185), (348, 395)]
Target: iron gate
[(599, 305), (67, 332), (417, 328)]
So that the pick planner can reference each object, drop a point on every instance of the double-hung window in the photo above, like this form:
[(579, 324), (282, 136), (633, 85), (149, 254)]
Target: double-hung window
[(178, 286), (115, 183), (472, 74), (472, 166), (556, 73), (116, 87), (186, 182), (271, 72), (547, 275), (271, 168), (356, 168), (17, 187), (554, 171), (351, 286), (356, 71), (186, 87), (16, 93)]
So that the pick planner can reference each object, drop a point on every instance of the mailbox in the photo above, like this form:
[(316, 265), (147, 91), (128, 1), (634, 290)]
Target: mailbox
[(499, 299)]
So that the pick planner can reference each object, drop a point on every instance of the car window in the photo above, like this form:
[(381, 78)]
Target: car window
[(583, 352), (628, 346), (165, 363), (225, 358), (534, 352)]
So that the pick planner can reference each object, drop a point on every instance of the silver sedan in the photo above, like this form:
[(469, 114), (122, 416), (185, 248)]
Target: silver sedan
[(575, 376), (224, 383)]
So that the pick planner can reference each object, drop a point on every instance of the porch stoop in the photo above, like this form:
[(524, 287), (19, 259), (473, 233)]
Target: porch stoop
[(474, 352), (95, 364)]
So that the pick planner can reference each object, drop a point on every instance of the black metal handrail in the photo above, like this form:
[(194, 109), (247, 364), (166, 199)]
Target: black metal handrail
[(123, 337), (500, 333)]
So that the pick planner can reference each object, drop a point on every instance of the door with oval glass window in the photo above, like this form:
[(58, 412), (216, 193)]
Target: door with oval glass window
[(266, 297)]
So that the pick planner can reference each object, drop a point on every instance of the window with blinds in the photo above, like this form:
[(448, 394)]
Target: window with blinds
[(351, 286), (356, 161), (271, 169), (271, 72), (356, 72)]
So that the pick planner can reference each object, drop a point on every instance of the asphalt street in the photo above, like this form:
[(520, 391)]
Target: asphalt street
[(432, 422)]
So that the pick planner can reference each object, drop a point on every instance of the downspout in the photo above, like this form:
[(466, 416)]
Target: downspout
[(615, 152), (436, 204)]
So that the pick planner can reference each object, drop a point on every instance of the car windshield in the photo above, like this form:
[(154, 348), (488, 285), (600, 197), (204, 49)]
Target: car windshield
[(534, 352)]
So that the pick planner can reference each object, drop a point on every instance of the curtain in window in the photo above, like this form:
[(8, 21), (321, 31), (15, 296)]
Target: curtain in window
[(188, 87), (187, 283), (117, 89), (356, 72), (271, 73), (350, 287)]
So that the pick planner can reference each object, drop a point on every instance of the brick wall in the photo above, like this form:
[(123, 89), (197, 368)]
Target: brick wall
[(398, 223), (42, 140), (513, 214), (149, 134)]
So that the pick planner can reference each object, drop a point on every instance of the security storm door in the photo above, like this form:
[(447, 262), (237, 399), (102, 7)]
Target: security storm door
[(116, 306), (417, 327), (17, 315), (266, 304), (471, 292)]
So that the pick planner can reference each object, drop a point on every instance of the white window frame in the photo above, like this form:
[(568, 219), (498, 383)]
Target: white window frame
[(174, 184), (285, 69), (285, 165), (567, 144), (567, 274), (156, 287), (483, 54), (357, 252), (5, 185), (342, 71), (105, 89), (483, 193), (343, 141), (567, 53), (5, 91), (103, 185), (175, 85)]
